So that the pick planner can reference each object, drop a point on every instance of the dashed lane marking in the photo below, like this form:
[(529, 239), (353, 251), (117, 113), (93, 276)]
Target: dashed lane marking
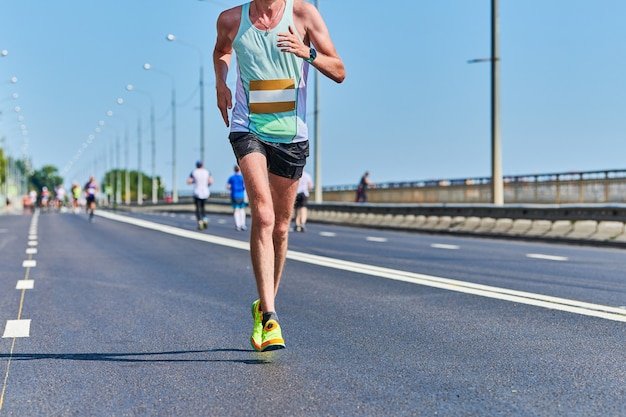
[(17, 328), (21, 327), (444, 246), (25, 284), (521, 297), (328, 234), (376, 239), (546, 257)]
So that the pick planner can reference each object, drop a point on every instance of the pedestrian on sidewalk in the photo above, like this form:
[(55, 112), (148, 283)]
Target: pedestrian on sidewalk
[(364, 184)]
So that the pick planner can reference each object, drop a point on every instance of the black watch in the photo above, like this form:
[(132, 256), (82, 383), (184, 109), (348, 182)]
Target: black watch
[(312, 55)]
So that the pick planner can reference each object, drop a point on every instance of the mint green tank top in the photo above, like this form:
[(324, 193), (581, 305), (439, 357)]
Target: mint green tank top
[(270, 96)]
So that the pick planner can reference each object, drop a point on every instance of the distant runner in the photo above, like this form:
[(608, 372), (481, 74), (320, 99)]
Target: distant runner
[(91, 190)]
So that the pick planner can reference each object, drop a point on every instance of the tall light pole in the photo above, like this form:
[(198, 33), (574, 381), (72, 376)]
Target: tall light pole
[(139, 151), (121, 101), (130, 87), (118, 194), (148, 67), (318, 152), (497, 183), (173, 38)]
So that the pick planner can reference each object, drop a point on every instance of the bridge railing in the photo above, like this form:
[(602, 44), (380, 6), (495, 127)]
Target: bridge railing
[(608, 186)]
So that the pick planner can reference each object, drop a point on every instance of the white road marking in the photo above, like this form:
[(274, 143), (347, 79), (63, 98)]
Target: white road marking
[(29, 263), (328, 234), (17, 328), (32, 243), (32, 237), (376, 239), (31, 251), (547, 257), (443, 246), (25, 284), (521, 297)]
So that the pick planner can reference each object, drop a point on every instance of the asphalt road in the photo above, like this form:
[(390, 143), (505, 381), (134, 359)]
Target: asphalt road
[(143, 315)]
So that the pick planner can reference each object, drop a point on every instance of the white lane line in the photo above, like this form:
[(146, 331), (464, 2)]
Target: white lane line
[(17, 328), (546, 257), (31, 251), (25, 284), (328, 234), (376, 239), (522, 297), (444, 246), (32, 237), (29, 263), (32, 243)]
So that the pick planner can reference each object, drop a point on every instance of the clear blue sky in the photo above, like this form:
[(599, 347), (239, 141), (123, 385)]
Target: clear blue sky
[(411, 108)]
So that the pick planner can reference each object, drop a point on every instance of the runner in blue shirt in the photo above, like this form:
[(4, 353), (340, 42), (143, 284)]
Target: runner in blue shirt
[(237, 198)]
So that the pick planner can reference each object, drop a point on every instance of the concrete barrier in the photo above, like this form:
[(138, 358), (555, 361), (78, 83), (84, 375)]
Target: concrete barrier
[(595, 224)]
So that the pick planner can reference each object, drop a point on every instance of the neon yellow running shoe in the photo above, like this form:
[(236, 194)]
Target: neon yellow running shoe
[(256, 338), (272, 336)]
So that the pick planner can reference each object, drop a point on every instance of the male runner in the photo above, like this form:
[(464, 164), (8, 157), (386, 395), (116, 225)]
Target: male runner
[(272, 40), (237, 199), (201, 179)]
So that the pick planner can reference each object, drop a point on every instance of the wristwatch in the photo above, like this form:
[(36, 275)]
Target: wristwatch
[(312, 55)]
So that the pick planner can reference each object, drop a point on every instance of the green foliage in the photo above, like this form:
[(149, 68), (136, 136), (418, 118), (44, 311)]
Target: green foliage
[(47, 176), (116, 177)]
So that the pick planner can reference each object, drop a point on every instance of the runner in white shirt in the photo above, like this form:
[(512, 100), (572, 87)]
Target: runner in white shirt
[(201, 178), (305, 185)]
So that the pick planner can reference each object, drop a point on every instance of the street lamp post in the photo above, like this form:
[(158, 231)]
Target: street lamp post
[(173, 38), (130, 87), (118, 187), (148, 67), (497, 182), (121, 101), (318, 152)]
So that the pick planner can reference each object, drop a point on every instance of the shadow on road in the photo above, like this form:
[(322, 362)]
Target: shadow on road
[(142, 357)]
